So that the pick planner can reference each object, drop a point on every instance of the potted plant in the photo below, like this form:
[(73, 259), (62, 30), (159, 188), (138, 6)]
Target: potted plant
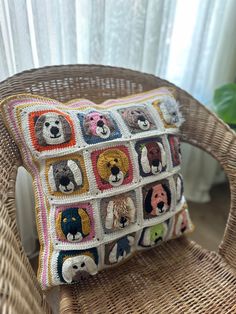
[(225, 104)]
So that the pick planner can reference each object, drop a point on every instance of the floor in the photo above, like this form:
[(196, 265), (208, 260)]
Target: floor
[(209, 220)]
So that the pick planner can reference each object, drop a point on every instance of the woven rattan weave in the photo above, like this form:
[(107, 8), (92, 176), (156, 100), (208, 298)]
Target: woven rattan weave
[(179, 277)]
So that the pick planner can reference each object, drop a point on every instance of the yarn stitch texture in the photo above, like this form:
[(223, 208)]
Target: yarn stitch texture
[(106, 178)]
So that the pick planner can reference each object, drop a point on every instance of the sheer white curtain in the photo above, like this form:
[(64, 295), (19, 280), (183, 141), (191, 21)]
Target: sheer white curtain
[(190, 43)]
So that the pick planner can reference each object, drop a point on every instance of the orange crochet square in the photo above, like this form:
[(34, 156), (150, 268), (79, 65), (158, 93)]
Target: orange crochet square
[(57, 126)]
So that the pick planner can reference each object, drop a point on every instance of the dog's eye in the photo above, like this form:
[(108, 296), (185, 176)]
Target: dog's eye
[(162, 194), (108, 165), (75, 267), (156, 195), (174, 113), (115, 160), (73, 219), (101, 117), (132, 112), (138, 112), (64, 220), (155, 233), (47, 124), (91, 119), (57, 122), (83, 264)]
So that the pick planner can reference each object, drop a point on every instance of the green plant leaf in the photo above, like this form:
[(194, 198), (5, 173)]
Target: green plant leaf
[(225, 102)]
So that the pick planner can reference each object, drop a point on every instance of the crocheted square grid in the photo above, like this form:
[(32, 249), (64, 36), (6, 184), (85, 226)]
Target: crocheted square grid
[(106, 178)]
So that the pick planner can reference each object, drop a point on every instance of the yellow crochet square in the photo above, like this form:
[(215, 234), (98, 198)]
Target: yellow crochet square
[(66, 169)]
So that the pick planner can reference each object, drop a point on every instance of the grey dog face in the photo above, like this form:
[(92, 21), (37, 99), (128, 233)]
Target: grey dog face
[(52, 128), (137, 119), (65, 176)]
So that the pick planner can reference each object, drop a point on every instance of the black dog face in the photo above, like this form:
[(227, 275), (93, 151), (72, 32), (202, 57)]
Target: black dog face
[(73, 224), (65, 176), (52, 128)]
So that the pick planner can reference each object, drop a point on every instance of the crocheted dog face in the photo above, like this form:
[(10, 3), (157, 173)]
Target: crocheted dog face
[(181, 223), (169, 111), (65, 176), (73, 224), (121, 249), (153, 235), (120, 213), (153, 157), (76, 268), (98, 124), (157, 200), (52, 129), (113, 166), (137, 119)]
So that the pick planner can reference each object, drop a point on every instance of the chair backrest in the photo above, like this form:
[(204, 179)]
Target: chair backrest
[(97, 83)]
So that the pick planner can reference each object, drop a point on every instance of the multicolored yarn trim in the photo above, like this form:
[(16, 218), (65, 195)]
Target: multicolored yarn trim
[(106, 178)]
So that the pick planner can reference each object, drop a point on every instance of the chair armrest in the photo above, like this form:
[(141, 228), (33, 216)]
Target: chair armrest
[(203, 129), (19, 289)]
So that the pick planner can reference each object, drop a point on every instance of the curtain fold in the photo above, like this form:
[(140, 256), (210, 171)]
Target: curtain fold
[(190, 43)]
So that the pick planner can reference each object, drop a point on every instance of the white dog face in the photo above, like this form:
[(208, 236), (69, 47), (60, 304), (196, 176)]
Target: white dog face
[(73, 266), (52, 129), (170, 110)]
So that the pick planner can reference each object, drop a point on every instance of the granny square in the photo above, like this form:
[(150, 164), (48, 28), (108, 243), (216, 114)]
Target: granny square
[(106, 178)]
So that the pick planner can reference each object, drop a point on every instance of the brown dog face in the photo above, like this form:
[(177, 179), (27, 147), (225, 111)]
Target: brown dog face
[(113, 166), (137, 119), (152, 157), (120, 213), (157, 200)]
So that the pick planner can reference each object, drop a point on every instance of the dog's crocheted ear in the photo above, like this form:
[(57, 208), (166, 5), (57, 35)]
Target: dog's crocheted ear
[(109, 216), (90, 265), (66, 128), (60, 233), (85, 221), (76, 171), (112, 255), (147, 203), (51, 179), (39, 122), (144, 160), (146, 237), (163, 154), (131, 205)]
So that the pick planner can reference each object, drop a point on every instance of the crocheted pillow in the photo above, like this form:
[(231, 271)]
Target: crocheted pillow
[(106, 178)]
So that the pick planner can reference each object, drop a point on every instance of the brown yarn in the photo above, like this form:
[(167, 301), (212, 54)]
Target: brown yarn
[(178, 277)]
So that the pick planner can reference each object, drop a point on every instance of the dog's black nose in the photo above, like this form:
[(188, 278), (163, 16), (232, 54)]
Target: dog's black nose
[(64, 180), (160, 205), (115, 170), (54, 130), (141, 118), (73, 229), (155, 162), (100, 123), (123, 220)]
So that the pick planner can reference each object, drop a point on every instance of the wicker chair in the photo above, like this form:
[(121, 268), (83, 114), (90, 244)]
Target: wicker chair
[(178, 277)]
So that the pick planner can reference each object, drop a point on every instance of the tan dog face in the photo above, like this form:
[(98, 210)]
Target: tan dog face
[(113, 166), (120, 213)]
